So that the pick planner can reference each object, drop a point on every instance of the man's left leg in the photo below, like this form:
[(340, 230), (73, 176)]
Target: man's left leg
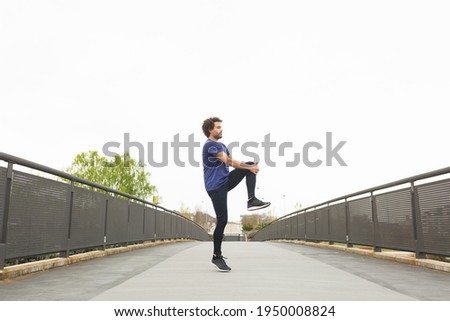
[(236, 176)]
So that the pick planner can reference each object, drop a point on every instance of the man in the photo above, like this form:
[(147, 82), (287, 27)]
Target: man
[(219, 181)]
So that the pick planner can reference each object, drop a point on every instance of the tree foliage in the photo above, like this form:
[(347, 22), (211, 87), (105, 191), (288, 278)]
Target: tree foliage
[(247, 227), (121, 173)]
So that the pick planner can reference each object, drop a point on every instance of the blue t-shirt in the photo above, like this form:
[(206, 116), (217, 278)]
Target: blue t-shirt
[(215, 172)]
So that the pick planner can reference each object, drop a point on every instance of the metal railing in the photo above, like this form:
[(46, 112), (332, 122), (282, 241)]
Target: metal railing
[(415, 218), (40, 216)]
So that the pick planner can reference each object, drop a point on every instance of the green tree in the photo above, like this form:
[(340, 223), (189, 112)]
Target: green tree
[(185, 211), (121, 173), (247, 227), (261, 225)]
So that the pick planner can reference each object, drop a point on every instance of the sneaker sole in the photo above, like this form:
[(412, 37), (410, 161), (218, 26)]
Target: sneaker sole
[(221, 270), (254, 208)]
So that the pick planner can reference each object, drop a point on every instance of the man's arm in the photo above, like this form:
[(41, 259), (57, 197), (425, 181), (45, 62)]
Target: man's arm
[(237, 164)]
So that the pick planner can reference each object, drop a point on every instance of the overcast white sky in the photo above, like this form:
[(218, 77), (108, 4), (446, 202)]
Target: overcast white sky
[(75, 75)]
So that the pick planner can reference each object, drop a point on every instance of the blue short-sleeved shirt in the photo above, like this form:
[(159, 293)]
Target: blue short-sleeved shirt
[(215, 172)]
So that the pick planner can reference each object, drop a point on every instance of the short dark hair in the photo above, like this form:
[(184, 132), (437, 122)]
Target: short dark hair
[(208, 124)]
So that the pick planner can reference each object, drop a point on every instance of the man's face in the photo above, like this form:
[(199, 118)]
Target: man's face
[(217, 130)]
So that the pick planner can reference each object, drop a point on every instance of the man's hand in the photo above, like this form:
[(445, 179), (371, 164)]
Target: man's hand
[(254, 168)]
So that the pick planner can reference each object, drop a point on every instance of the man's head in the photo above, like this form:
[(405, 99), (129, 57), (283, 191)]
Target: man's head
[(212, 127)]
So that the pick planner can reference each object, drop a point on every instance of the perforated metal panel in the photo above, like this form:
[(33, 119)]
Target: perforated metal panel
[(322, 224), (150, 222), (180, 222), (266, 233), (395, 222), (434, 203), (184, 228), (311, 225), (192, 231), (167, 225), (159, 225), (287, 228), (117, 221), (338, 223), (37, 218), (361, 221), (274, 233), (294, 227), (281, 231), (277, 231), (88, 219), (2, 197), (301, 221), (173, 230), (136, 222)]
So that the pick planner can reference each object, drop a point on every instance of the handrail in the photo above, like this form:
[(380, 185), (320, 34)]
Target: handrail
[(23, 162)]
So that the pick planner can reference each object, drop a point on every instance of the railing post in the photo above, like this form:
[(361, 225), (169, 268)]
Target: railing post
[(155, 212), (128, 222), (4, 236), (106, 222), (417, 222), (286, 232), (143, 223), (304, 224), (315, 224), (376, 228), (69, 211), (330, 242), (170, 229), (347, 224)]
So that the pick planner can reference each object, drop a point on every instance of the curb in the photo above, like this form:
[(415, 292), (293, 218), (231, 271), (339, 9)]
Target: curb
[(21, 270), (395, 256)]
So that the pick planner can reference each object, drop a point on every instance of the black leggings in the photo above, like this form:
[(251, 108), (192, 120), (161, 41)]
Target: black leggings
[(219, 200)]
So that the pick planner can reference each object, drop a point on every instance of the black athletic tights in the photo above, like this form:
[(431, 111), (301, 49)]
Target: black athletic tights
[(219, 200)]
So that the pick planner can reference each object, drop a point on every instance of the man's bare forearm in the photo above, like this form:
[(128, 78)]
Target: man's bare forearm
[(237, 164)]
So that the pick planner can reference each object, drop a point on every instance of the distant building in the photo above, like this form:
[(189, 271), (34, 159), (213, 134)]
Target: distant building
[(233, 228)]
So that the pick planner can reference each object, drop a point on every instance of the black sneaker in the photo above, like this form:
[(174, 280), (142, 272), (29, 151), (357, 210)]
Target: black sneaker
[(219, 262), (255, 204)]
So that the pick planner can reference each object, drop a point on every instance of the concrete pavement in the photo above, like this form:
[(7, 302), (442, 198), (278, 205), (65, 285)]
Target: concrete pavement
[(260, 272)]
